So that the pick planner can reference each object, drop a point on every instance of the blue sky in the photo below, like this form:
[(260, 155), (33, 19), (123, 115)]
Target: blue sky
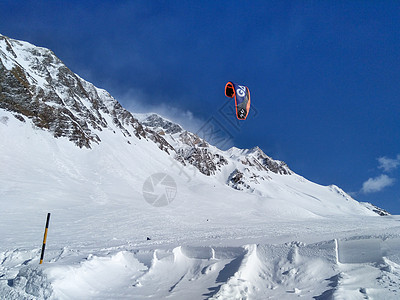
[(324, 75)]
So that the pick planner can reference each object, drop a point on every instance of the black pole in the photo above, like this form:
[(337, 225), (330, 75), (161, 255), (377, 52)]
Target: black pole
[(44, 238)]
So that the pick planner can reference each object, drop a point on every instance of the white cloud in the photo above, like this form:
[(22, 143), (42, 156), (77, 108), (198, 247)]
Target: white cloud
[(136, 101), (389, 164), (377, 184)]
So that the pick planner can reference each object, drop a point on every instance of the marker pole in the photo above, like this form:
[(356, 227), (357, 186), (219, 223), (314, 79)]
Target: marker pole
[(44, 238)]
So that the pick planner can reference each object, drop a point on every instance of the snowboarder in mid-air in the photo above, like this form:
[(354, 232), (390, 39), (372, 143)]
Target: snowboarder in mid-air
[(241, 94)]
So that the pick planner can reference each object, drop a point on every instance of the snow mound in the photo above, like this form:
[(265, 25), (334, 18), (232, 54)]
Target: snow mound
[(323, 270)]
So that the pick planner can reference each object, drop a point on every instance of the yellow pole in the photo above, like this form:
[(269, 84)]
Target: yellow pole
[(45, 238)]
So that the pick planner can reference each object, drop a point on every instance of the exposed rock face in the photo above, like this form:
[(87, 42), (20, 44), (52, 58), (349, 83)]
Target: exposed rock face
[(258, 159), (243, 180), (376, 209), (197, 152), (156, 121), (159, 140), (201, 158), (237, 180), (192, 150), (37, 85)]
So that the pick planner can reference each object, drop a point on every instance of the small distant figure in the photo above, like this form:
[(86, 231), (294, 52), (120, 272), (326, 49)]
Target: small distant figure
[(149, 239)]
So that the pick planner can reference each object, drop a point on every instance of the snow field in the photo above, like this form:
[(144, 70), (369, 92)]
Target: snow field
[(211, 242), (284, 271)]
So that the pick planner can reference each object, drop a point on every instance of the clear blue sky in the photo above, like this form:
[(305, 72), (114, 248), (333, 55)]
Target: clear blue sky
[(324, 76)]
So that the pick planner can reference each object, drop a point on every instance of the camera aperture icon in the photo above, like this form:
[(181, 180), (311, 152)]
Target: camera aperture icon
[(159, 189)]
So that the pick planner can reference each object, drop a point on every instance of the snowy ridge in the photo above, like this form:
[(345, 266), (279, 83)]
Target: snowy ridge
[(37, 85), (245, 165), (241, 225)]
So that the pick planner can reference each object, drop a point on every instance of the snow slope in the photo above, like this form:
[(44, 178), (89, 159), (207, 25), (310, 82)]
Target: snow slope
[(242, 232), (210, 242)]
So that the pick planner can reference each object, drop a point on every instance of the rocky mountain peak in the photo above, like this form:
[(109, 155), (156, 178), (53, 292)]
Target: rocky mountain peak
[(164, 125), (262, 161), (36, 85)]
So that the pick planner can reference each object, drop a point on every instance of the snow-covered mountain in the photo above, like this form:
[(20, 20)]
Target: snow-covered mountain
[(143, 208), (36, 85), (37, 88)]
